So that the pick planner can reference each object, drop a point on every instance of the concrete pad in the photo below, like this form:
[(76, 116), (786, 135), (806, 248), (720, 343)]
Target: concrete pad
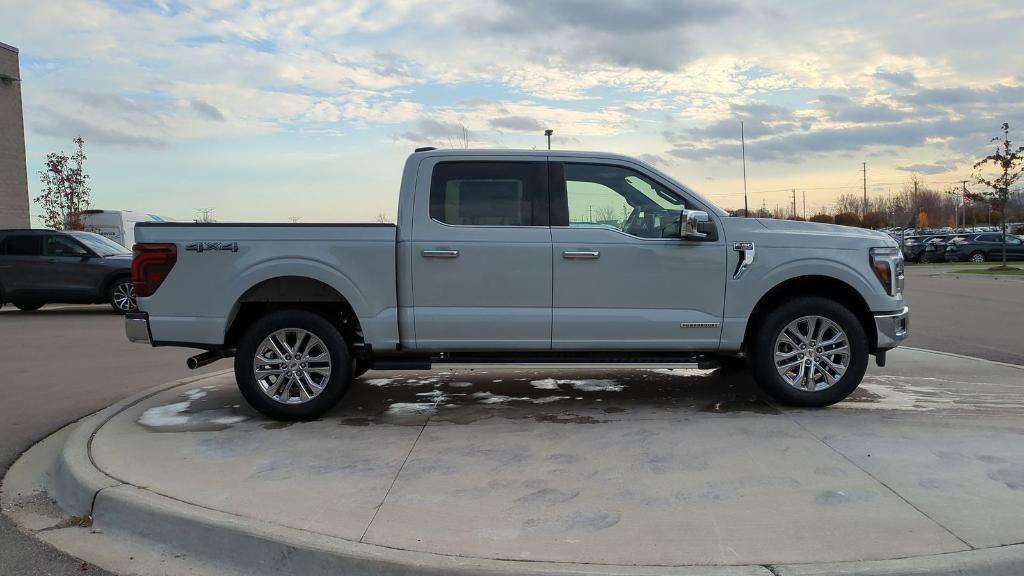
[(711, 490), (970, 481), (584, 471), (320, 476)]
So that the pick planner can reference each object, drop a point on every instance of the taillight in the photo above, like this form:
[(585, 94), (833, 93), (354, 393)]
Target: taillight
[(151, 263)]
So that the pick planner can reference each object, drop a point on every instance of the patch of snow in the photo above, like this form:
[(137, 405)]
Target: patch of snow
[(460, 384), (168, 415), (581, 385), (229, 420), (547, 384), (380, 381), (548, 399), (488, 398), (683, 372), (411, 408), (597, 385)]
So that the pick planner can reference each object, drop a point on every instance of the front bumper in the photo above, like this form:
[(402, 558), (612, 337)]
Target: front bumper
[(892, 328), (136, 327)]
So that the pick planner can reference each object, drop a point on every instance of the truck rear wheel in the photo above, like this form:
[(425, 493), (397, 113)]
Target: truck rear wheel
[(292, 365), (809, 352)]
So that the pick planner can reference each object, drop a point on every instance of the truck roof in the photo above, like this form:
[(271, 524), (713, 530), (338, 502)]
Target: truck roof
[(515, 152)]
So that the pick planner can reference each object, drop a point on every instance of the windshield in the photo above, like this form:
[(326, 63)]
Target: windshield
[(99, 244)]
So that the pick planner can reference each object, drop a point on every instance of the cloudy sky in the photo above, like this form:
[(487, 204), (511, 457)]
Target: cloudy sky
[(272, 110)]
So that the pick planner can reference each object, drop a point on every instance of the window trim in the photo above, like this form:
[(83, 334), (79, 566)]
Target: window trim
[(537, 198)]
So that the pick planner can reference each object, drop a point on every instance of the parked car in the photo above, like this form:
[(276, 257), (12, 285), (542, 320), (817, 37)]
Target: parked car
[(40, 267), (118, 225), (913, 247), (935, 249), (987, 247), (496, 260)]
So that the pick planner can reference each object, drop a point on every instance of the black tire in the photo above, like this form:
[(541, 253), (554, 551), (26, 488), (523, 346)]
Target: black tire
[(977, 253), (359, 367), (113, 297), (762, 352), (28, 306), (733, 364), (337, 382)]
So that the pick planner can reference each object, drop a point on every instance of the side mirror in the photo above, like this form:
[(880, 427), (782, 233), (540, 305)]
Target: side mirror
[(696, 225)]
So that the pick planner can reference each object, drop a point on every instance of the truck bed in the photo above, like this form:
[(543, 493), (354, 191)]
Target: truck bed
[(219, 263)]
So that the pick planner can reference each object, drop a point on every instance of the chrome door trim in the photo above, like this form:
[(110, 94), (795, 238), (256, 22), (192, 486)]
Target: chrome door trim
[(581, 254), (440, 253)]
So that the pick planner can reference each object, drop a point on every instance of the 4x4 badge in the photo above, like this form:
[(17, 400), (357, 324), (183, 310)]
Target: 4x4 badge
[(208, 246)]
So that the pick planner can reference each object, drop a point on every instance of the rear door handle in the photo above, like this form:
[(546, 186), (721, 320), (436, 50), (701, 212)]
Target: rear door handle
[(581, 255), (440, 253)]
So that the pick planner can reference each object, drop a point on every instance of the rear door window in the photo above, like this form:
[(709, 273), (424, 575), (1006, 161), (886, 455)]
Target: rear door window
[(489, 193), (25, 245)]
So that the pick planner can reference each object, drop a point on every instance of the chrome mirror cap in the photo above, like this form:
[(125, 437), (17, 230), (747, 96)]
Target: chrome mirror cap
[(692, 220)]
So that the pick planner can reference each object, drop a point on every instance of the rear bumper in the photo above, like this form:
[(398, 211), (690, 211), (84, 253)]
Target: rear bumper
[(892, 328), (136, 327)]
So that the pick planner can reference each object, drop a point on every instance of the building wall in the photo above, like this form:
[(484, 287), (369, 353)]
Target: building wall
[(13, 176)]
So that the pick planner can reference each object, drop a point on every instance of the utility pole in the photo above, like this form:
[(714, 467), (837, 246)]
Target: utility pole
[(805, 204), (743, 148), (794, 203), (764, 208), (964, 183), (548, 133), (864, 165)]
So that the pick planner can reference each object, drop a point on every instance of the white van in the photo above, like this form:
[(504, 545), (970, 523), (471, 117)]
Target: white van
[(118, 225)]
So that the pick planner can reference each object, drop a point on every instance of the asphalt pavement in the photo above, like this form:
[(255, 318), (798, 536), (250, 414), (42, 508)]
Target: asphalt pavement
[(974, 316), (64, 362), (60, 364)]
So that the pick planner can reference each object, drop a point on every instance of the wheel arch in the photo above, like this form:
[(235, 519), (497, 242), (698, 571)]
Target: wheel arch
[(814, 285), (289, 291), (113, 277)]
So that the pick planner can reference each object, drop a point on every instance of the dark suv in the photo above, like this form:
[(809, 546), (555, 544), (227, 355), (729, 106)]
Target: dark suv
[(985, 247), (46, 266)]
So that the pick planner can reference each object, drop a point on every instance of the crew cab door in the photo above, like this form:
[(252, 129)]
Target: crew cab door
[(70, 269), (481, 254), (623, 277)]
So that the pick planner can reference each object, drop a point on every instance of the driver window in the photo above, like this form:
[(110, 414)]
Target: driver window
[(619, 198), (61, 246)]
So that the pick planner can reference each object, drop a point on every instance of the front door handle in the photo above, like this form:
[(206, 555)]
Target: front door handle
[(581, 255), (440, 253)]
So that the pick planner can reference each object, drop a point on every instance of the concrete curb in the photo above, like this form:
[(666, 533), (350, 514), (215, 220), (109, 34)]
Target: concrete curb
[(76, 480), (258, 547)]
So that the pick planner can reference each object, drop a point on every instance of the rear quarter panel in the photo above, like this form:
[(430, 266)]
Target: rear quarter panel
[(198, 299)]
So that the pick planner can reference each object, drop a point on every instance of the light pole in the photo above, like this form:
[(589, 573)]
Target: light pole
[(548, 133)]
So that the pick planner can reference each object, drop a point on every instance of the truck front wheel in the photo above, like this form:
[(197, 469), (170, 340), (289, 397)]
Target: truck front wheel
[(292, 365), (809, 351)]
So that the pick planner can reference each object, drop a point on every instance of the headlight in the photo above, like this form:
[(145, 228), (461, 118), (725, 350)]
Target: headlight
[(888, 266)]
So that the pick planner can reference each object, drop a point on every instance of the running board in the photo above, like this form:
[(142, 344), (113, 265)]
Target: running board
[(541, 360)]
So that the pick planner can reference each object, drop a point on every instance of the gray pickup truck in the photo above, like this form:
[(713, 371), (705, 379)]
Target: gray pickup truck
[(527, 258)]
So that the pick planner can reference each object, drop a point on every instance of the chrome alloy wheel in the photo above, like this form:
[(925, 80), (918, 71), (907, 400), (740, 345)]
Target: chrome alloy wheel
[(124, 297), (812, 353), (292, 366)]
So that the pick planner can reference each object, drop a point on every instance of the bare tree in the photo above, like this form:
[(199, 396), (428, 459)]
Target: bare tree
[(1010, 162), (383, 218), (65, 189), (205, 216), (460, 139)]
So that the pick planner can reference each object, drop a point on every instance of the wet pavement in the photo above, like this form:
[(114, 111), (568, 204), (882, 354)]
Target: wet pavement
[(650, 467)]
